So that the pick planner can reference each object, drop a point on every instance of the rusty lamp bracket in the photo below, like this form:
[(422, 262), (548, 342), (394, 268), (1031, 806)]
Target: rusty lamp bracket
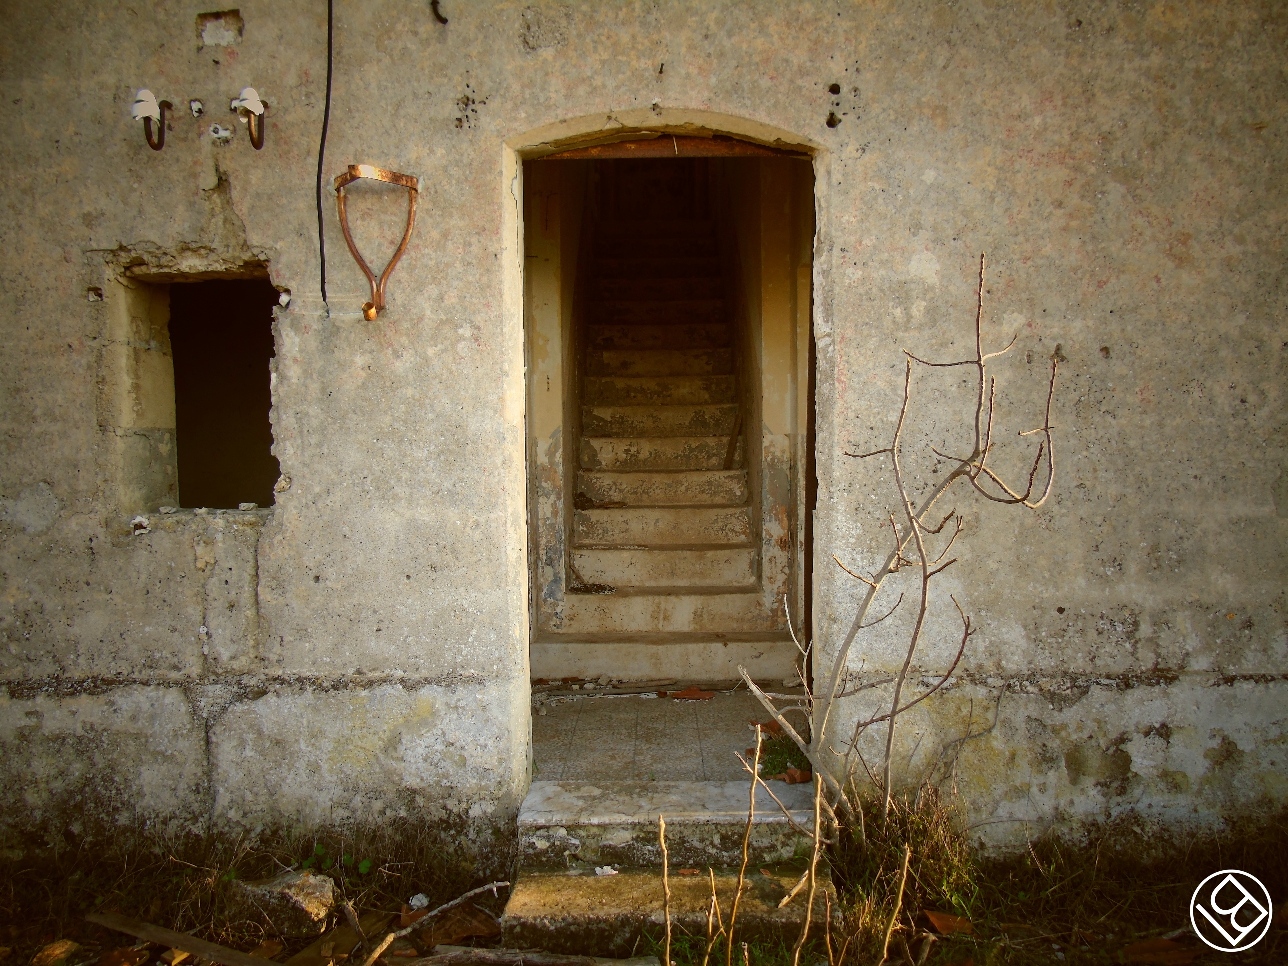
[(355, 171)]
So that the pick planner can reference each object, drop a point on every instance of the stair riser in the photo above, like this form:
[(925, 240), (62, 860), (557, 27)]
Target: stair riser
[(670, 312), (691, 845), (662, 526), (650, 660), (612, 916), (609, 289), (662, 390), (692, 488), (676, 453), (659, 362), (612, 616), (667, 568), (620, 247), (657, 268), (680, 336), (625, 232), (659, 420)]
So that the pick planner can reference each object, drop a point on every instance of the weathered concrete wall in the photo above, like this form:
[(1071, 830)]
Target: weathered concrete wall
[(1121, 163)]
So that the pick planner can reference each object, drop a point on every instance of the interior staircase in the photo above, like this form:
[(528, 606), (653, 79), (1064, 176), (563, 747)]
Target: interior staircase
[(664, 531)]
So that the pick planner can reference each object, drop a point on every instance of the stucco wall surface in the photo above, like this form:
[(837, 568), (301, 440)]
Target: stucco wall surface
[(1122, 164)]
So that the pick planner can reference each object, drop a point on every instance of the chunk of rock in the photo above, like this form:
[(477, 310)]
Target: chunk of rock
[(56, 954), (296, 905)]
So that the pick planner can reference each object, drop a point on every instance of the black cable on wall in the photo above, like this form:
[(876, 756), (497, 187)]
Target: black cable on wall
[(326, 121)]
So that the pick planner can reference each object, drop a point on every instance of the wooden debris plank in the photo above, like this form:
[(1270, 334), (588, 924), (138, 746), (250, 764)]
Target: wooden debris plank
[(469, 956), (175, 940)]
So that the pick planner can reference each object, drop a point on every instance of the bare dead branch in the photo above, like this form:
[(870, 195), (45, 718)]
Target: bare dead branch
[(865, 686), (773, 710), (885, 615), (940, 569), (851, 572), (795, 890), (957, 530), (788, 612), (947, 516), (787, 813), (984, 480), (987, 444), (863, 456), (923, 597), (1002, 351), (938, 365), (979, 353)]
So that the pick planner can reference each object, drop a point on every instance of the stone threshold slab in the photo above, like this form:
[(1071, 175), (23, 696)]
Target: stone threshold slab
[(564, 803), (608, 915)]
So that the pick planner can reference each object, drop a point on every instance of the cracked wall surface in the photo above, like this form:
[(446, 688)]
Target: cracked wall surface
[(1121, 163)]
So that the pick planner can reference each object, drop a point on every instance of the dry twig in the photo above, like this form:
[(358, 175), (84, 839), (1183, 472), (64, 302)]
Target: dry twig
[(666, 888), (813, 871), (898, 904), (746, 846), (715, 922), (420, 923)]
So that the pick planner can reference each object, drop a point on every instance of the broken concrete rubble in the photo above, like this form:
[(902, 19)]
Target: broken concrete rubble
[(296, 905)]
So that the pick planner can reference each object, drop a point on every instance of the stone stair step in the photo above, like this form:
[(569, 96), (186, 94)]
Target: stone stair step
[(662, 390), (659, 613), (661, 526), (658, 453), (657, 228), (612, 823), (586, 914), (767, 656), (664, 312), (683, 335), (636, 266), (659, 362), (658, 289), (655, 568), (677, 246), (665, 488), (653, 420)]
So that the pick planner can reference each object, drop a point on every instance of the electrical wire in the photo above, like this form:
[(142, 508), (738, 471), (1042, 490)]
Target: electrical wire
[(326, 121)]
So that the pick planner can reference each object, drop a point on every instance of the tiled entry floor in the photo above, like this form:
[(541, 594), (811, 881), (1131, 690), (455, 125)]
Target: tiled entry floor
[(635, 738)]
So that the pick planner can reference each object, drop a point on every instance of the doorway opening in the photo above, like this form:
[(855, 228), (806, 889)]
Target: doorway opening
[(667, 309)]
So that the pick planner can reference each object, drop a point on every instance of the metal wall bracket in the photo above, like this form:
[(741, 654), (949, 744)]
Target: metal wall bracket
[(355, 171)]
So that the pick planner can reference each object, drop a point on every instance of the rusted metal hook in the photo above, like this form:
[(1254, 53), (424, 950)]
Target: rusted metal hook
[(157, 143), (255, 123), (252, 110), (148, 109), (355, 171)]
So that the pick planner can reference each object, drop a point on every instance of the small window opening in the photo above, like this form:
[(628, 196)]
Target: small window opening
[(221, 338)]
